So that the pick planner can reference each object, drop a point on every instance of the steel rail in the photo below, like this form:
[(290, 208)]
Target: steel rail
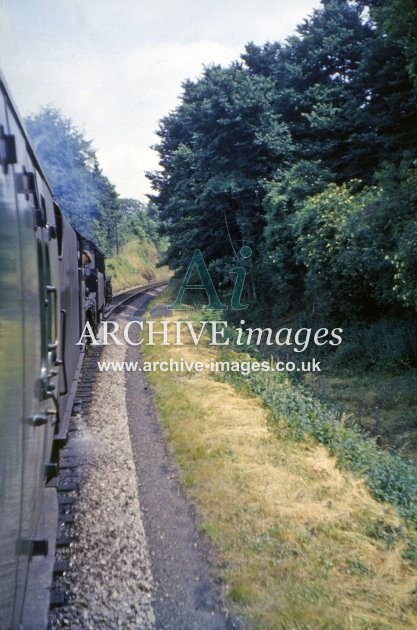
[(129, 295)]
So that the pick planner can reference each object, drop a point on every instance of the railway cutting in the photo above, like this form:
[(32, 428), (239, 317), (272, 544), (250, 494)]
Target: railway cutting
[(129, 552)]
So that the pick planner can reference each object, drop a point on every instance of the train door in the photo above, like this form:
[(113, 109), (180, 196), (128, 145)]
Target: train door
[(51, 348)]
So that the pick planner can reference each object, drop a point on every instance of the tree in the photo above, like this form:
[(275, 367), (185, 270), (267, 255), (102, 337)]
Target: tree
[(398, 20), (217, 149), (306, 152), (321, 90), (359, 247), (138, 221), (106, 225), (280, 264), (84, 194), (340, 252)]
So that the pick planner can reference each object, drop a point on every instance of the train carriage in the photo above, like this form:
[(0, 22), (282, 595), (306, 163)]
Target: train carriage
[(42, 313), (29, 327)]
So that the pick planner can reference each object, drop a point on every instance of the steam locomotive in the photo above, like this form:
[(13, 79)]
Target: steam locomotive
[(52, 280)]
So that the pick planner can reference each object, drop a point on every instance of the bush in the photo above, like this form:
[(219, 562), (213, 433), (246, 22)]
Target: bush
[(383, 344)]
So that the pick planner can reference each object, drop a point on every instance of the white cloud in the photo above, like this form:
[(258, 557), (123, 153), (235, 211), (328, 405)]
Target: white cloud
[(115, 67), (118, 101)]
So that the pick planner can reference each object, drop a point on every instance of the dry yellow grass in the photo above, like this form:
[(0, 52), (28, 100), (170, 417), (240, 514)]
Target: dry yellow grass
[(135, 265), (291, 528)]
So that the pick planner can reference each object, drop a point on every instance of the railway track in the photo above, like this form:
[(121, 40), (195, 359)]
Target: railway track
[(72, 470), (129, 549), (121, 299), (73, 467)]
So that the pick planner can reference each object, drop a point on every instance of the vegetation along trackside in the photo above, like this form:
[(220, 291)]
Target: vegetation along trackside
[(305, 153), (302, 540)]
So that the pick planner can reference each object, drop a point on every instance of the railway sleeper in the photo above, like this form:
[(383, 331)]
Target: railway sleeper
[(60, 567), (58, 598)]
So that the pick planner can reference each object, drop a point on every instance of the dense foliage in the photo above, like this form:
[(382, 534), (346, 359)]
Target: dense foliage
[(306, 152), (84, 194), (389, 476)]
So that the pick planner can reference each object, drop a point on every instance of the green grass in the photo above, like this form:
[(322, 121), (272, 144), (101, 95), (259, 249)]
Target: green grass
[(135, 265), (383, 403), (302, 543), (293, 408)]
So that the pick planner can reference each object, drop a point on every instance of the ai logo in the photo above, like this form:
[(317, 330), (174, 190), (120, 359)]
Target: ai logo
[(197, 264)]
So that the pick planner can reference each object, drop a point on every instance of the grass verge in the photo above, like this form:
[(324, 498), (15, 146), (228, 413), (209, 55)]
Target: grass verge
[(135, 265), (302, 543), (294, 410)]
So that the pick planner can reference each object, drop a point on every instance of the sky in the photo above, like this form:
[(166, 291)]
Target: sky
[(115, 67)]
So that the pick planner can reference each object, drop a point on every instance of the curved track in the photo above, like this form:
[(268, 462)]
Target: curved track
[(121, 299), (157, 536), (66, 480), (76, 459)]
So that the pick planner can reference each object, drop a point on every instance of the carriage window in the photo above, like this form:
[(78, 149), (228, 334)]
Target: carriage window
[(43, 211), (59, 228)]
